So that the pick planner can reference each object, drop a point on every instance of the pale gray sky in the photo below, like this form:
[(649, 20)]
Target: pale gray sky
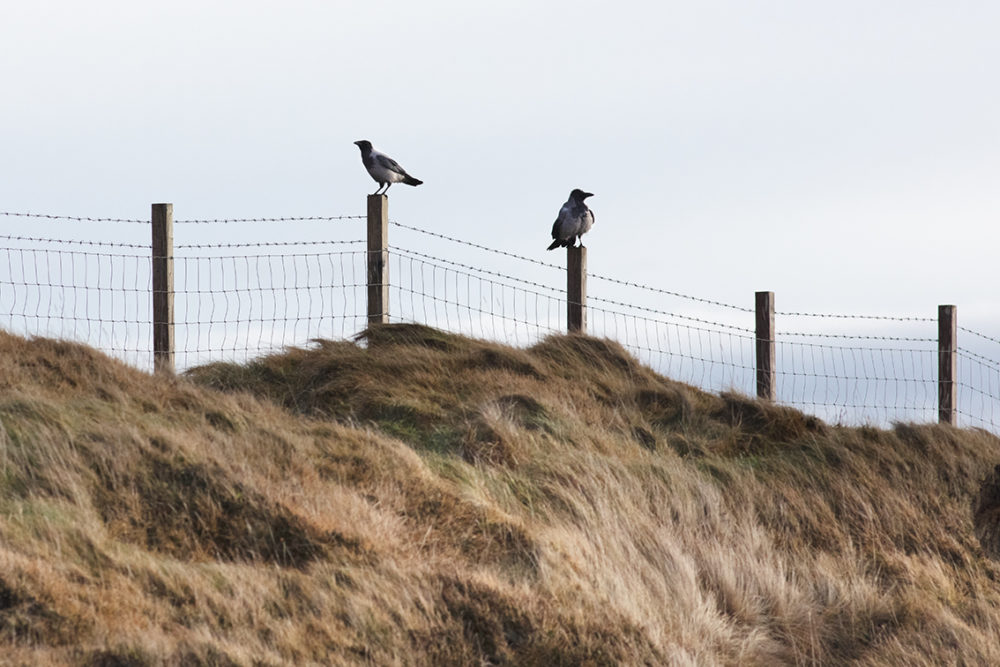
[(845, 155)]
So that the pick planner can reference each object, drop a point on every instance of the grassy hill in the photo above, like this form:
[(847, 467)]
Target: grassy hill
[(424, 498)]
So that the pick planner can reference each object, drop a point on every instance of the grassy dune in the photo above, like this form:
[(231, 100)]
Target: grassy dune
[(424, 498)]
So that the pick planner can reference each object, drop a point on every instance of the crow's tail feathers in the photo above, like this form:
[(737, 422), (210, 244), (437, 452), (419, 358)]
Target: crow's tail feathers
[(409, 180), (556, 244)]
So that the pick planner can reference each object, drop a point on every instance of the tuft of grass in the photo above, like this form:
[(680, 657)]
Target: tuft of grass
[(419, 497)]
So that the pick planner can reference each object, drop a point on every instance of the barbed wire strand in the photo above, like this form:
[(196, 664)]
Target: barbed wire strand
[(74, 218), (108, 244), (264, 244), (304, 218), (77, 218), (979, 335), (903, 339), (835, 316)]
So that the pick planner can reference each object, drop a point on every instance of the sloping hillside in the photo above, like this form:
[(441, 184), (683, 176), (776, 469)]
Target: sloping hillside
[(423, 498)]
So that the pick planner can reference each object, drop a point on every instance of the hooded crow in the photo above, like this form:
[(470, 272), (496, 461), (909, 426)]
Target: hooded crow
[(574, 220), (383, 168)]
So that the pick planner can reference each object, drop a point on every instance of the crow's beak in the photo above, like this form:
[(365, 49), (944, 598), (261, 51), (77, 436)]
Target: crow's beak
[(588, 194)]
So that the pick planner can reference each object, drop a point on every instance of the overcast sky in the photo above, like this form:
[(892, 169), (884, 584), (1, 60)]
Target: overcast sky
[(845, 155)]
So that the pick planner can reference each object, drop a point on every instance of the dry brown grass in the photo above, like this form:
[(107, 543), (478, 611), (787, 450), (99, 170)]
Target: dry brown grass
[(424, 498)]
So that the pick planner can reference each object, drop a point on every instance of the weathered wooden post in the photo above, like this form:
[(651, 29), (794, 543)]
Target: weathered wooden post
[(163, 288), (576, 289), (766, 366), (947, 364), (378, 259)]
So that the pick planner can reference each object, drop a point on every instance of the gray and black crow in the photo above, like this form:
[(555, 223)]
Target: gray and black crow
[(383, 168), (574, 220)]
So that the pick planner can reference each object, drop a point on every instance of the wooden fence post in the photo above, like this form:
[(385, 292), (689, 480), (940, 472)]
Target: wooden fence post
[(378, 259), (947, 364), (163, 288), (576, 289), (766, 385)]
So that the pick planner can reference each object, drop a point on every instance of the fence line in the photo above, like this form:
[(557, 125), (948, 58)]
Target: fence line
[(236, 300)]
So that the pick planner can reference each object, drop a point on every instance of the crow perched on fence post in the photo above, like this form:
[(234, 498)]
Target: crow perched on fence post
[(574, 220), (383, 168)]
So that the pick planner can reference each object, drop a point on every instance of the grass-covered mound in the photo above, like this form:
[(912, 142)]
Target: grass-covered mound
[(423, 498)]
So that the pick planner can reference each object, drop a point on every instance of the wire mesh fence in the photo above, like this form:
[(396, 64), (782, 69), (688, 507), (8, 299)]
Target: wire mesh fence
[(233, 300), (859, 378), (472, 301), (978, 380), (100, 298), (238, 300), (237, 307)]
